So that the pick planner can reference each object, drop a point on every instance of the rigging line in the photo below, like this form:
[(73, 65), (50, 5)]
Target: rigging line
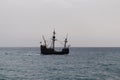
[(60, 42), (49, 43)]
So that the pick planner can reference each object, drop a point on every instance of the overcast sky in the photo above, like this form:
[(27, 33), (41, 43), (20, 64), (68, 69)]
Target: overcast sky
[(89, 23)]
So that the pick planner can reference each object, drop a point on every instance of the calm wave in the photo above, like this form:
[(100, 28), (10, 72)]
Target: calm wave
[(80, 64)]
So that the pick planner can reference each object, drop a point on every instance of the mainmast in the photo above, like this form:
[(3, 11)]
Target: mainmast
[(53, 39)]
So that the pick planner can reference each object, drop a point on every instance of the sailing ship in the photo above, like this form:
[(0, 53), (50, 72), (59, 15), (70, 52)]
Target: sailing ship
[(51, 50)]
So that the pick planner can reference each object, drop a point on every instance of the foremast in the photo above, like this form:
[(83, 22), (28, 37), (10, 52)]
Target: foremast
[(53, 39), (65, 42)]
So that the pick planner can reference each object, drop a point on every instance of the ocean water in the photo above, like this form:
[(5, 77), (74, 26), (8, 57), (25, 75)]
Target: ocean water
[(80, 64)]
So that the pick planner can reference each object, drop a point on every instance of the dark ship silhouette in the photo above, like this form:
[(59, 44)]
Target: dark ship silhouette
[(51, 50)]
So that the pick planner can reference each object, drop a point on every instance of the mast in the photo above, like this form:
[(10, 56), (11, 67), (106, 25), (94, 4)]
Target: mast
[(65, 41), (53, 39)]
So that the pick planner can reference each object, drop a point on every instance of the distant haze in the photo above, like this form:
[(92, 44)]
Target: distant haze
[(89, 23)]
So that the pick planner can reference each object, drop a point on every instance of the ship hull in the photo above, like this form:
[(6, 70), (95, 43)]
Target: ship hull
[(50, 51)]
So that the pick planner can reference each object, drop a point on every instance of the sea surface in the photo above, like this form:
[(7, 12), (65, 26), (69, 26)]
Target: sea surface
[(80, 64)]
